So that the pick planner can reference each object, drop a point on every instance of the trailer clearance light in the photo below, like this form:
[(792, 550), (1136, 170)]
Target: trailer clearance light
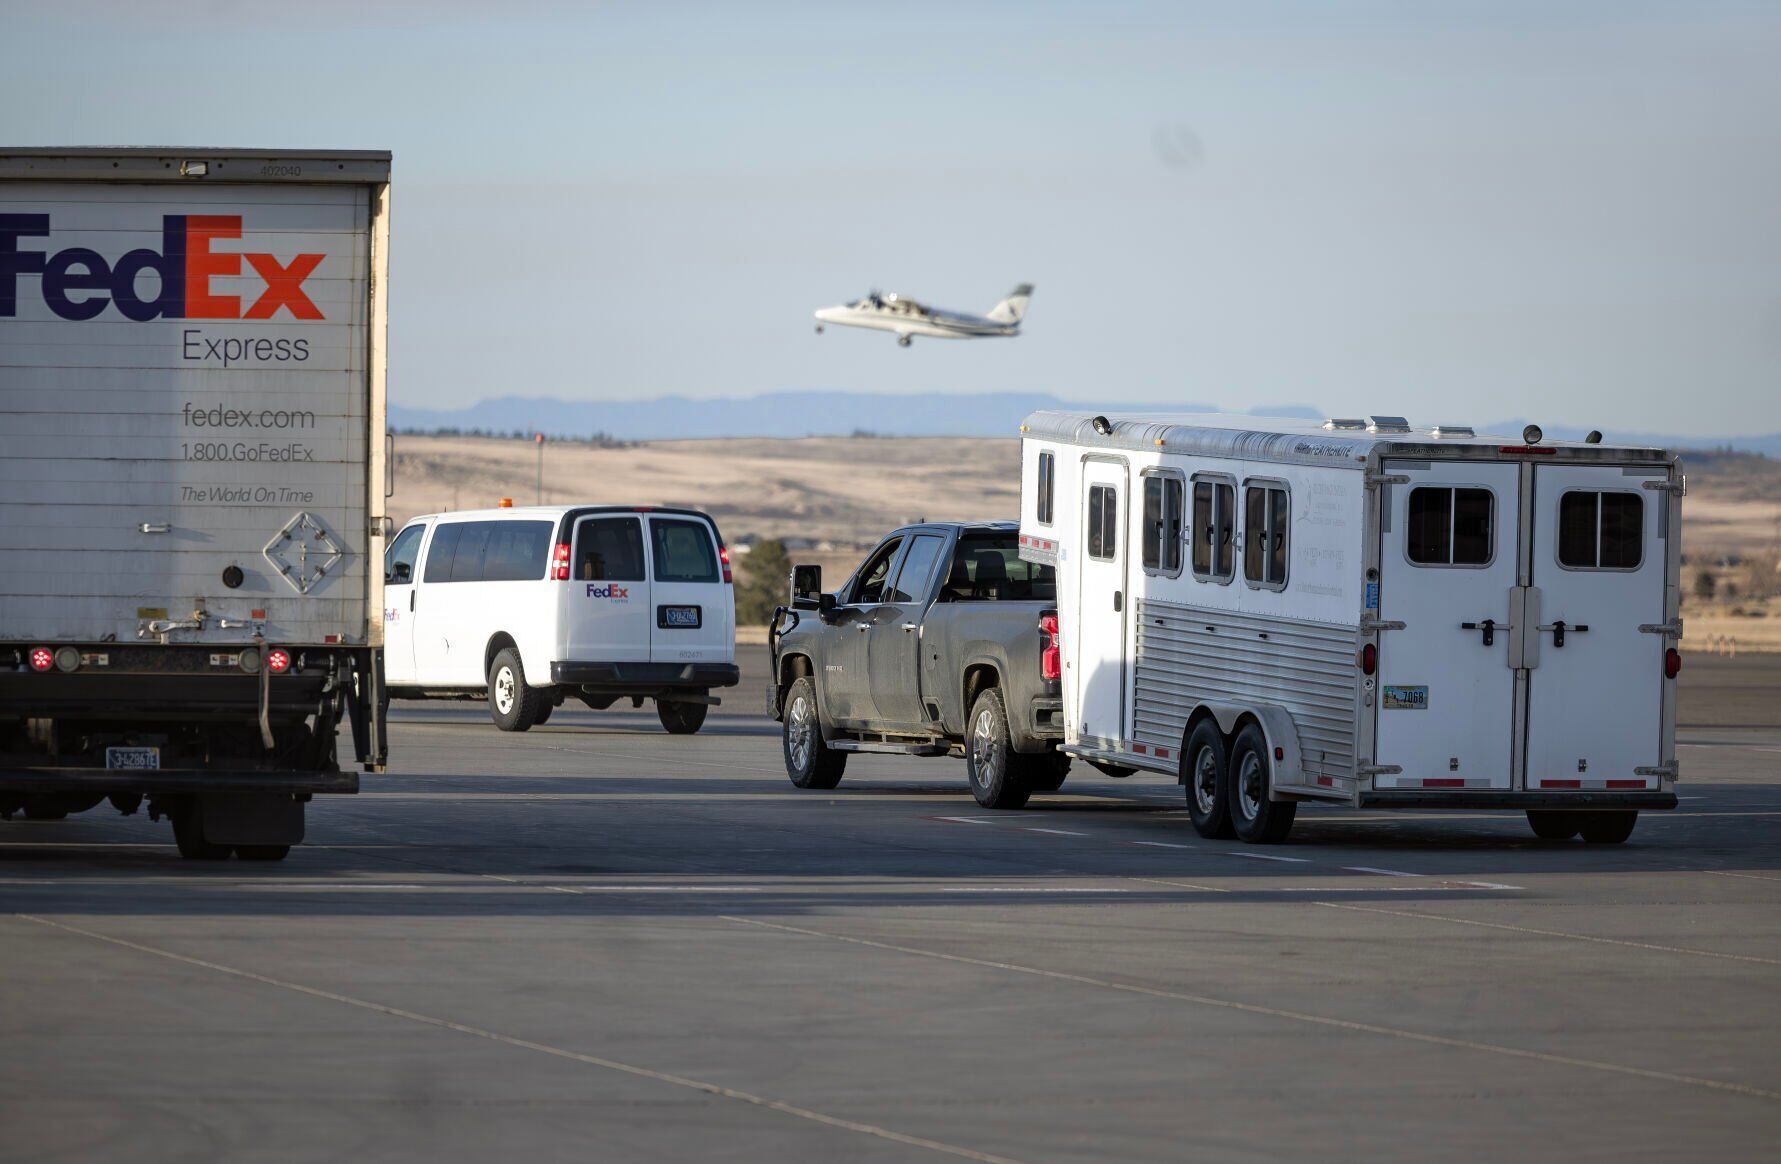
[(278, 660), (1367, 659), (723, 555), (1051, 654), (559, 562), (42, 659), (1672, 663)]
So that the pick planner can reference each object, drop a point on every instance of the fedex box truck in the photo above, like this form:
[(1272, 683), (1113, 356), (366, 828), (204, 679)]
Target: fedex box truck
[(192, 480)]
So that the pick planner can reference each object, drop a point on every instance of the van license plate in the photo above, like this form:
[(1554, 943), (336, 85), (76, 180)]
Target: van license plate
[(687, 616), (137, 758)]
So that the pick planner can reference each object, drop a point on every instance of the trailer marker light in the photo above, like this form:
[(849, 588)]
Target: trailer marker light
[(1280, 753), (68, 660), (330, 638), (723, 555), (1626, 784), (256, 614), (1672, 663), (1141, 749), (559, 562), (42, 659), (278, 660), (1443, 783), (1526, 450), (1367, 659), (1561, 784)]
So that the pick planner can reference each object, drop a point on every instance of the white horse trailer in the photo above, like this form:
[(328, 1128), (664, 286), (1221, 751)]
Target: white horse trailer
[(1363, 613)]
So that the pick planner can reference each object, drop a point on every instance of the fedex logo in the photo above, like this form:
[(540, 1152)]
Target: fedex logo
[(78, 283), (607, 591)]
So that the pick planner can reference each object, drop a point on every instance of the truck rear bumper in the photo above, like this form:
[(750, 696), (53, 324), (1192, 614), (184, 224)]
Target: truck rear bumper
[(1047, 717), (644, 678), (173, 780), (1577, 800)]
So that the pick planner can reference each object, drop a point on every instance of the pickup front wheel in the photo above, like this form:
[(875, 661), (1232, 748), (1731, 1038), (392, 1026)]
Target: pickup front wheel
[(999, 774), (809, 761)]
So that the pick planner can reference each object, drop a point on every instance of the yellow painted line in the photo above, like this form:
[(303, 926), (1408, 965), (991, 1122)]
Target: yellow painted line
[(1281, 1013), (731, 1093)]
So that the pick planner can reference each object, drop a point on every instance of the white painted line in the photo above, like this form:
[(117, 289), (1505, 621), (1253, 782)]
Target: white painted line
[(966, 819), (1162, 845), (1266, 857), (1381, 872), (1023, 889), (1053, 832)]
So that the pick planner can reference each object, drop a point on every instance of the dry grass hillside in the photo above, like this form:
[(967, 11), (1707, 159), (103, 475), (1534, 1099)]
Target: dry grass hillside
[(833, 496)]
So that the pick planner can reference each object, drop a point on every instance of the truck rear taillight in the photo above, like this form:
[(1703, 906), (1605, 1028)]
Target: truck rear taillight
[(278, 660), (42, 658), (559, 562), (723, 555), (1051, 652), (1672, 663), (1367, 659)]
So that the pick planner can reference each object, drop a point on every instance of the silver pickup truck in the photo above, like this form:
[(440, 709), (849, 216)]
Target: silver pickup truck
[(943, 642)]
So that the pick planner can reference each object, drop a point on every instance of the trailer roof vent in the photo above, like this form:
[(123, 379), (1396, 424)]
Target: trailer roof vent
[(1452, 430), (1387, 424), (1349, 423)]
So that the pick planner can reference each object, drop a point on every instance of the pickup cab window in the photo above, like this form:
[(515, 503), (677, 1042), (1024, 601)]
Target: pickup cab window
[(868, 590), (990, 569), (917, 570)]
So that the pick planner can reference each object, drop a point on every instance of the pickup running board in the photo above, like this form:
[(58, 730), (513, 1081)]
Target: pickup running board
[(909, 749)]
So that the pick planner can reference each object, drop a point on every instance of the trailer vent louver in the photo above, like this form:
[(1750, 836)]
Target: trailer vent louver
[(1387, 424), (1345, 423), (1453, 430)]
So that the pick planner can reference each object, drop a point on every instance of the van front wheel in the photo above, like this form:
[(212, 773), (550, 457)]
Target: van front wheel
[(512, 703), (681, 719)]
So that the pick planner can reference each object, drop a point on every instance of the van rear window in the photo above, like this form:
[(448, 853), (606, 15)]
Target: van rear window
[(683, 551), (609, 549)]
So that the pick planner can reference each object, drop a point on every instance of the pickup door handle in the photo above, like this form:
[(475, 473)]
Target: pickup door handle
[(1487, 629), (411, 600), (1560, 628), (908, 628)]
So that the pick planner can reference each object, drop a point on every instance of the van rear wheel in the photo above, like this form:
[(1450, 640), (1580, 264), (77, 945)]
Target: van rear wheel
[(512, 704), (1606, 828), (1552, 824), (681, 719), (809, 761), (1257, 819)]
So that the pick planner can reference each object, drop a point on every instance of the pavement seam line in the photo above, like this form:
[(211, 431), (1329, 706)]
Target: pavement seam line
[(1745, 876), (777, 1105), (1462, 921), (1280, 1013)]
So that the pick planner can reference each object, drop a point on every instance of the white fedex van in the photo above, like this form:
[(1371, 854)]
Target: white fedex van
[(532, 605)]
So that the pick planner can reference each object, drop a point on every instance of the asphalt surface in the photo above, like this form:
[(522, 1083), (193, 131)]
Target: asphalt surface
[(595, 941)]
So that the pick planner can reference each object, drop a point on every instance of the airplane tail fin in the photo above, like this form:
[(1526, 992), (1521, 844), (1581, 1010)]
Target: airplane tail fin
[(1012, 308)]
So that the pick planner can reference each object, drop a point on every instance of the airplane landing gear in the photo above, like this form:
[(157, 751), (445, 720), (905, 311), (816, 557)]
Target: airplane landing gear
[(904, 341)]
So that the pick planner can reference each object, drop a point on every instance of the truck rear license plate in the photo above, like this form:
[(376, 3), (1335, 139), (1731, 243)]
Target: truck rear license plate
[(138, 758), (680, 616)]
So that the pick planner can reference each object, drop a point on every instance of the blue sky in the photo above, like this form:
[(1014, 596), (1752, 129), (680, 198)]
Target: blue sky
[(1458, 212)]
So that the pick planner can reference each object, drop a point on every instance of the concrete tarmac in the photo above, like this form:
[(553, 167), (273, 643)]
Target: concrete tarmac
[(595, 941)]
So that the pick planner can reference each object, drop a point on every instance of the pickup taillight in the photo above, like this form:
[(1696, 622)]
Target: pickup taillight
[(1051, 649)]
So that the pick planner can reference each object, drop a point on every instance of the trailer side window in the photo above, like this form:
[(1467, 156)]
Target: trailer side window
[(1103, 522), (1601, 531), (1047, 481), (1214, 527), (1449, 526), (1265, 521), (1162, 524)]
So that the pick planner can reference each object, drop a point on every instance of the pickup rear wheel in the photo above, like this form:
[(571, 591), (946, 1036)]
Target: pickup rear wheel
[(681, 719), (809, 761), (512, 704), (999, 774)]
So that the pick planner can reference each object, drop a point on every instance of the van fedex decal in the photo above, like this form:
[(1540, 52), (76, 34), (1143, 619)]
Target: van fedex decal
[(617, 593), (185, 265)]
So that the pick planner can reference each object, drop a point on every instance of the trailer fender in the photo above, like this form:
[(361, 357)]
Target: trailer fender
[(1277, 728)]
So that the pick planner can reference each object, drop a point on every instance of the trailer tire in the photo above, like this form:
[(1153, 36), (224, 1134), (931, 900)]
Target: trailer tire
[(809, 760), (262, 852), (188, 834), (1553, 824), (1257, 819), (681, 719), (1606, 828), (512, 704), (999, 774), (1204, 764), (1049, 768)]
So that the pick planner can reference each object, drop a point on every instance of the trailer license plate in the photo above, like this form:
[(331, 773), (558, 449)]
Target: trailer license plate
[(680, 616), (138, 758)]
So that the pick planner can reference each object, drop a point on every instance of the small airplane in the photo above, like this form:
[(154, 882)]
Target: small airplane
[(906, 317)]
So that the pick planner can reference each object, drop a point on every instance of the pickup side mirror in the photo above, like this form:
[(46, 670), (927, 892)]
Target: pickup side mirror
[(806, 586)]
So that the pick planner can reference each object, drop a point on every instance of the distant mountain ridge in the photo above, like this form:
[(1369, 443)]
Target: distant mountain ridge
[(798, 414)]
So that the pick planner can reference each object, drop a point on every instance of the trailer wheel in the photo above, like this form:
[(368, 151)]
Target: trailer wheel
[(188, 834), (681, 719), (1606, 828), (1204, 763), (1553, 824), (512, 703), (1257, 819), (809, 761), (998, 773), (262, 852), (1048, 771)]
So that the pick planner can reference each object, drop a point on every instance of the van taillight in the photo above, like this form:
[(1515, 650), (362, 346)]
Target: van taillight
[(1672, 663), (1051, 652), (559, 562), (723, 555), (42, 659), (1367, 659)]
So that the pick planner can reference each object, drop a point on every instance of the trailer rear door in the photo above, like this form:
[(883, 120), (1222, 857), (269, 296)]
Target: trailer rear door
[(1448, 566), (1596, 683)]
